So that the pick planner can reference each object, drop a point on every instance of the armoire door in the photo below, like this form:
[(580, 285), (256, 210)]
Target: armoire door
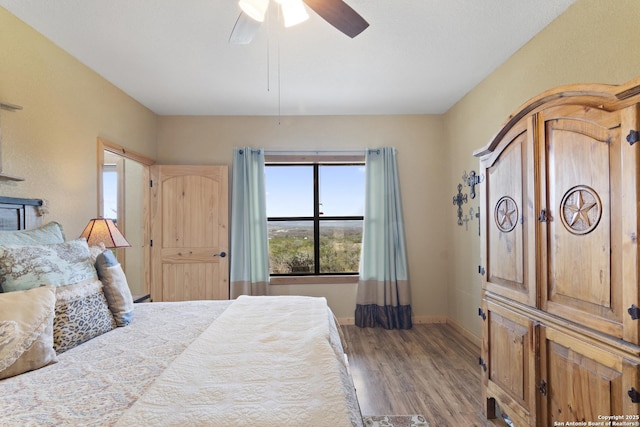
[(508, 363), (508, 249), (189, 230), (580, 381), (581, 181)]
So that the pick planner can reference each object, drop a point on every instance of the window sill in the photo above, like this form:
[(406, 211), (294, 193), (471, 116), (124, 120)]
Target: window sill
[(312, 280)]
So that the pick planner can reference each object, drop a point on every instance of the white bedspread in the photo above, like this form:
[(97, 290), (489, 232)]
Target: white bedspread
[(275, 366)]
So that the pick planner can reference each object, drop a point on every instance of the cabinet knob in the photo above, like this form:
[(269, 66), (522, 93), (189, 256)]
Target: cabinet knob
[(482, 363), (221, 254), (543, 388), (543, 217)]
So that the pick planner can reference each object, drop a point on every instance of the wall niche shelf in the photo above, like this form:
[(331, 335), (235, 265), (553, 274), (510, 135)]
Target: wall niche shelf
[(6, 177)]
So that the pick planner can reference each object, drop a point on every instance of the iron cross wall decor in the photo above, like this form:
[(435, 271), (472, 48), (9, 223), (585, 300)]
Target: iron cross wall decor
[(458, 200), (471, 180), (476, 214)]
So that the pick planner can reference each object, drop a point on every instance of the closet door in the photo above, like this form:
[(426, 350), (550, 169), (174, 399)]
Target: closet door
[(189, 229), (580, 227), (508, 246)]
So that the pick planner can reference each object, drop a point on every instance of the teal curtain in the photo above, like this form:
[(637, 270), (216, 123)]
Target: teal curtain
[(249, 258), (383, 296)]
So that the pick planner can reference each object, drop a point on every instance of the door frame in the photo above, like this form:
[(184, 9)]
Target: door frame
[(146, 162)]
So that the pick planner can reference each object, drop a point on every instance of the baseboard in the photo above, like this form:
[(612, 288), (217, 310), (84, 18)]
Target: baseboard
[(465, 332), (429, 319), (347, 320), (417, 319)]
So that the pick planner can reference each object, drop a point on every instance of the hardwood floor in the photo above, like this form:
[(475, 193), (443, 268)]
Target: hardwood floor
[(430, 370)]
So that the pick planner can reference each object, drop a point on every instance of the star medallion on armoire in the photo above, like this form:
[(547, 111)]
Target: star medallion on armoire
[(506, 214), (581, 209)]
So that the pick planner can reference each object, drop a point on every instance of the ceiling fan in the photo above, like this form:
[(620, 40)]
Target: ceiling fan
[(335, 12)]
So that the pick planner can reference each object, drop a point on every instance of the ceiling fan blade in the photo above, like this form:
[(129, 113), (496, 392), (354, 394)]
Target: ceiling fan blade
[(340, 15), (244, 29)]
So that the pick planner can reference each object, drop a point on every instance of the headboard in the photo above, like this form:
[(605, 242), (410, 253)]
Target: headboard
[(19, 214)]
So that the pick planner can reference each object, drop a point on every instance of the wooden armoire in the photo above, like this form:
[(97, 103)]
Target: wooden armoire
[(560, 262)]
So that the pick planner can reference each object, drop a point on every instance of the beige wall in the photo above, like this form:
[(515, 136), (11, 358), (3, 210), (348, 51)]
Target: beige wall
[(594, 41), (52, 141), (421, 157)]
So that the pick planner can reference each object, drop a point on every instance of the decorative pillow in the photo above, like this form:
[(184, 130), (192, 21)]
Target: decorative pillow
[(81, 314), (26, 330), (26, 267), (115, 287), (96, 250), (47, 234)]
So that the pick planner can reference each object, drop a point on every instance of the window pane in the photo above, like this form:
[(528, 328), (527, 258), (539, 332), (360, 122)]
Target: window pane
[(290, 247), (342, 190), (110, 192), (289, 191), (340, 243)]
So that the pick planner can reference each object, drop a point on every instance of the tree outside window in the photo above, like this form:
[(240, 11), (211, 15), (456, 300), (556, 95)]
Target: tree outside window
[(315, 217)]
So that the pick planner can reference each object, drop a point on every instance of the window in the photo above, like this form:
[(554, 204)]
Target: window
[(110, 192), (315, 216)]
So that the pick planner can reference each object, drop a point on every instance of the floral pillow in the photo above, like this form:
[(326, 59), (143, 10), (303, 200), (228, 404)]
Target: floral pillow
[(27, 267), (26, 330)]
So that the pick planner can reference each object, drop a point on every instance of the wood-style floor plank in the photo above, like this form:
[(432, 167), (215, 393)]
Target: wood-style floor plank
[(430, 370)]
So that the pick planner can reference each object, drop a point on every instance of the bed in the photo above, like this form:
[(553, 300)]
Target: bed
[(252, 361)]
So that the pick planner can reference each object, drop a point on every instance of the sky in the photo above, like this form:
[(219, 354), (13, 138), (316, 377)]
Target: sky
[(290, 190), (110, 194)]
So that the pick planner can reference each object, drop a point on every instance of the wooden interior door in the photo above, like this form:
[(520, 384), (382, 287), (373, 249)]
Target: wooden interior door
[(189, 229), (581, 181), (509, 244), (581, 382)]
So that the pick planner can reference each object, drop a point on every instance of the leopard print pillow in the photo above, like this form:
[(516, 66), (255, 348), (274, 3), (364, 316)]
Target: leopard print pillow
[(82, 313)]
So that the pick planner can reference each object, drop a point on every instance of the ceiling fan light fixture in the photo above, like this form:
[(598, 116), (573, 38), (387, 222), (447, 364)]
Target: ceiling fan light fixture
[(255, 9), (293, 12)]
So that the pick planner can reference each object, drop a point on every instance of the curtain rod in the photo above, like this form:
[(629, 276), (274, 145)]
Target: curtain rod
[(361, 152)]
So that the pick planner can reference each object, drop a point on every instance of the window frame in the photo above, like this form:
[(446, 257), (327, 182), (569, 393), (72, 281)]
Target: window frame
[(315, 161)]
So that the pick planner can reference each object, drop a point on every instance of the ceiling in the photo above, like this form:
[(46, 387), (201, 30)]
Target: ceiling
[(174, 56)]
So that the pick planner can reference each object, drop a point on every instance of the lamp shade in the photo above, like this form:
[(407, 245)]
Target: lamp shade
[(101, 230), (293, 12)]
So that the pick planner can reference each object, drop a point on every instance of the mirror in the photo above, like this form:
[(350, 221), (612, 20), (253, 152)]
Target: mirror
[(123, 196)]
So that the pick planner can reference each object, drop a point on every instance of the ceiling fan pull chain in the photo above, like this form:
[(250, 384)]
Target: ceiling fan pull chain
[(268, 54)]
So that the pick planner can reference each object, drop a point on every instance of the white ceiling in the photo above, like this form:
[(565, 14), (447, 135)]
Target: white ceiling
[(173, 56)]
